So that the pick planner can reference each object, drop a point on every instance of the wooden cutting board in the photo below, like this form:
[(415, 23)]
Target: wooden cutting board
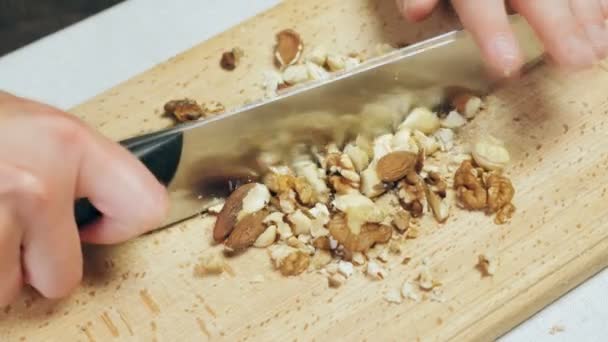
[(145, 290)]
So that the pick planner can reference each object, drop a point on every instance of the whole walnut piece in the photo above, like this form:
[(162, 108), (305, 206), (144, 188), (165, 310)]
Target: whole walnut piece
[(470, 190), (500, 192), (295, 263), (184, 110), (370, 234)]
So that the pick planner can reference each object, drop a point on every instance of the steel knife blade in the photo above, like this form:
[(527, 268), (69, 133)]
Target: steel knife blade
[(203, 161)]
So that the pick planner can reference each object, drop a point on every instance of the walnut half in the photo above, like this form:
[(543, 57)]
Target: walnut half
[(469, 187)]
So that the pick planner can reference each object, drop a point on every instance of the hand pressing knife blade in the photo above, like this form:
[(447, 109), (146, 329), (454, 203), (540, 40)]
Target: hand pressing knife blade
[(200, 162)]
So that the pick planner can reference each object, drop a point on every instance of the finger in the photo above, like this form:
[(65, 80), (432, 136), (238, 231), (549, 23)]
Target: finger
[(416, 10), (556, 26), (129, 196), (489, 25), (590, 17), (52, 257), (10, 254)]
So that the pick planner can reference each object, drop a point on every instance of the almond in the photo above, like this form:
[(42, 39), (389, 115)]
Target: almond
[(394, 166), (289, 47), (247, 230), (226, 220), (467, 105)]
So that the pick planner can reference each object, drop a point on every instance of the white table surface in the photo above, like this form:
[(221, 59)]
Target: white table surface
[(69, 67)]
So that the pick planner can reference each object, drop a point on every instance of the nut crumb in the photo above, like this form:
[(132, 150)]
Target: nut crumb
[(336, 280), (212, 262), (556, 329), (408, 291), (375, 271), (258, 278), (230, 59), (393, 296), (184, 110), (486, 265)]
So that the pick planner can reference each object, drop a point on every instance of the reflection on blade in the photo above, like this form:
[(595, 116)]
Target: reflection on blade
[(368, 100)]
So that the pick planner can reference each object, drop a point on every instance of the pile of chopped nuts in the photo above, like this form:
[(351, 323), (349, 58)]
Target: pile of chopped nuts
[(295, 67), (351, 206)]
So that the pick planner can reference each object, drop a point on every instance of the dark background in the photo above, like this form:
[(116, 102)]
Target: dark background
[(24, 21)]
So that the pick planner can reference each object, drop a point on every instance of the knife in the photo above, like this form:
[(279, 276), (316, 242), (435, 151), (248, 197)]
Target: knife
[(201, 162)]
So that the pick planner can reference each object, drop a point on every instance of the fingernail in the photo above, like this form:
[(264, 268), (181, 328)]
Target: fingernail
[(505, 53)]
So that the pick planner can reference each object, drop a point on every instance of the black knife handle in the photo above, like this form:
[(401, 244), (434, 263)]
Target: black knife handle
[(159, 152)]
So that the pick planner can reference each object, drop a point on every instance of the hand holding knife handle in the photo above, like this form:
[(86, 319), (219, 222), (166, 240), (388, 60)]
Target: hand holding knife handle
[(159, 152)]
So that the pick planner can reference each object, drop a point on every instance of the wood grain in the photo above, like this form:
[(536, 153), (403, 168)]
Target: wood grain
[(146, 290)]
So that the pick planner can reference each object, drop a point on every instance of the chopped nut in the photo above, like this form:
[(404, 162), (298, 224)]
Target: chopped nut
[(213, 107), (318, 55), (359, 157), (453, 120), (336, 280), (358, 258), (429, 145), (184, 110), (267, 238), (321, 219), (375, 271), (351, 63), (383, 255), (500, 192), (254, 200), (490, 153), (283, 229), (301, 223), (408, 291), (307, 169), (467, 105), (486, 265), (358, 209), (289, 47), (421, 119), (345, 268), (295, 263), (230, 59), (216, 209), (412, 194), (299, 245), (393, 296), (412, 233), (469, 187), (504, 214), (332, 268), (316, 72), (246, 231), (394, 166), (426, 281), (370, 233), (395, 246), (212, 262), (435, 194), (445, 138), (403, 141), (295, 74), (322, 243), (320, 259), (336, 62), (401, 221), (227, 218), (271, 82)]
